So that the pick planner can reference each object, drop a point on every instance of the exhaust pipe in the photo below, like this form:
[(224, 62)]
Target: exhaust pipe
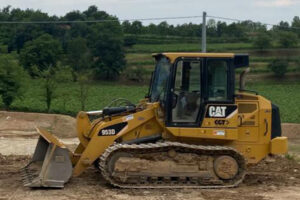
[(242, 78), (51, 164)]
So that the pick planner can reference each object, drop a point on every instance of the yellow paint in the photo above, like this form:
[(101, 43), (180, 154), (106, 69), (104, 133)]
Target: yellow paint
[(98, 144), (205, 133), (173, 56), (279, 145), (246, 130), (50, 138)]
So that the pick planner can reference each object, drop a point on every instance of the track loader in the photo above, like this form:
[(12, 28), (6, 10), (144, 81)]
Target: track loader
[(192, 130)]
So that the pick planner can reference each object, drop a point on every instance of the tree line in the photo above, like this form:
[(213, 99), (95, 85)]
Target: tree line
[(99, 47), (285, 33), (97, 50), (82, 46)]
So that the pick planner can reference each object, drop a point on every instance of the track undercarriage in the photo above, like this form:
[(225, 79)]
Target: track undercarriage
[(171, 165)]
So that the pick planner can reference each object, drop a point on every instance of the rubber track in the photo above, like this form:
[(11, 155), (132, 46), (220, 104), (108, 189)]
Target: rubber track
[(151, 147)]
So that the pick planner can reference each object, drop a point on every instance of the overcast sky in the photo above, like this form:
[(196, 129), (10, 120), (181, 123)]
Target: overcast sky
[(267, 11)]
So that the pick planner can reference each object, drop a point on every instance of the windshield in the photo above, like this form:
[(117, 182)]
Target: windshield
[(160, 79)]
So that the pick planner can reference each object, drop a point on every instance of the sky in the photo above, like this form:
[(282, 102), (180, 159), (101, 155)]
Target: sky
[(265, 11)]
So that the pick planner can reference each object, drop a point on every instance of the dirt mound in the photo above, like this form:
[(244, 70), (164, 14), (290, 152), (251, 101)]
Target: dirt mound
[(274, 171), (16, 123)]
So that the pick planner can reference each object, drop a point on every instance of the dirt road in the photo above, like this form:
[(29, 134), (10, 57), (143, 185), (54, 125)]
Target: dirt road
[(274, 178)]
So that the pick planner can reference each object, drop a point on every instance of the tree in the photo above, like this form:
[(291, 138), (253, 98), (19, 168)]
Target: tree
[(50, 78), (40, 53), (12, 77), (83, 80), (211, 28), (288, 39), (262, 41), (163, 28), (49, 85), (126, 26), (78, 56), (221, 28), (107, 49), (20, 34), (136, 27), (296, 25)]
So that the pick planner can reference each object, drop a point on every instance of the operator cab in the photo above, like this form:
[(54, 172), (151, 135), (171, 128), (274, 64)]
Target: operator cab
[(184, 83)]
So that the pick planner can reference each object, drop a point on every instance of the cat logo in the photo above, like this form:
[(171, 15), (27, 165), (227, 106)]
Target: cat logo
[(217, 111)]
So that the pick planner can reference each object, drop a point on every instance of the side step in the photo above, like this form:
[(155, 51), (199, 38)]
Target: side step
[(50, 166)]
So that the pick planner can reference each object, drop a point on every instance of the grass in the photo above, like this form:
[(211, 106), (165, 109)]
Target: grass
[(66, 100), (294, 150), (285, 94)]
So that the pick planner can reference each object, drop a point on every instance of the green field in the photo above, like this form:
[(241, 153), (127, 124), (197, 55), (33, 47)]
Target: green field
[(284, 94), (67, 101)]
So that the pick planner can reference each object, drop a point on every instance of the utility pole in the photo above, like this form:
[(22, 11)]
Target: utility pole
[(204, 32)]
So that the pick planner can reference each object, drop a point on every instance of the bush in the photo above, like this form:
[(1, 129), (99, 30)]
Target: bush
[(3, 49), (130, 40), (279, 67), (11, 78), (135, 74)]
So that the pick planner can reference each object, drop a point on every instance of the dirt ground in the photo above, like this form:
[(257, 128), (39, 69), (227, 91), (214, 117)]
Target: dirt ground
[(274, 178)]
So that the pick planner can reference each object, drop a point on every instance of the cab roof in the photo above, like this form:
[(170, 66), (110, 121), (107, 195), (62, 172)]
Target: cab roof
[(240, 60)]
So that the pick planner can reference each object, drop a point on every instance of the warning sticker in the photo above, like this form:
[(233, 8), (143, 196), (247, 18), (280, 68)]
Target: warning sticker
[(219, 132)]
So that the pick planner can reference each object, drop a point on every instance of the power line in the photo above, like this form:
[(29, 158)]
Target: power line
[(239, 20), (97, 21), (139, 19), (162, 18)]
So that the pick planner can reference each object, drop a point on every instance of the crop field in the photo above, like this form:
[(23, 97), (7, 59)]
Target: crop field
[(285, 94), (139, 56)]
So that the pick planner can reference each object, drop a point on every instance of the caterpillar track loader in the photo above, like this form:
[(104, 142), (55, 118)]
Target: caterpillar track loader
[(193, 130)]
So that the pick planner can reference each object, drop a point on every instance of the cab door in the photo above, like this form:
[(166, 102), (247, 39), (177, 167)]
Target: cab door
[(185, 96), (220, 109)]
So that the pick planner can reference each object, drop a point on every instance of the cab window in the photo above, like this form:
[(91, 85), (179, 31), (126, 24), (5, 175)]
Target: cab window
[(187, 91), (217, 80)]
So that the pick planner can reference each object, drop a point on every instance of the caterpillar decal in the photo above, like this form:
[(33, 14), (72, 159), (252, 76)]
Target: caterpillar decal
[(220, 111)]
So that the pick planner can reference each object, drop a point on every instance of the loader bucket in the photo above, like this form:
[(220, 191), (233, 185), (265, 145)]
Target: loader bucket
[(50, 165)]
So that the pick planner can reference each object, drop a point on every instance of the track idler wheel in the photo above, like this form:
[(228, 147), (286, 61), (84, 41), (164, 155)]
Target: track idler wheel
[(226, 167)]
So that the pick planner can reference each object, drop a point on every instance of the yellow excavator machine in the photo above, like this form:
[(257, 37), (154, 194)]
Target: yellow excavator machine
[(192, 130)]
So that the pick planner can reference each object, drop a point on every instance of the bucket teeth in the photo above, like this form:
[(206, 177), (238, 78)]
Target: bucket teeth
[(50, 165), (27, 175)]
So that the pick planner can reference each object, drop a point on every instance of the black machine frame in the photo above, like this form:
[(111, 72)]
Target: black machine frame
[(204, 90)]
